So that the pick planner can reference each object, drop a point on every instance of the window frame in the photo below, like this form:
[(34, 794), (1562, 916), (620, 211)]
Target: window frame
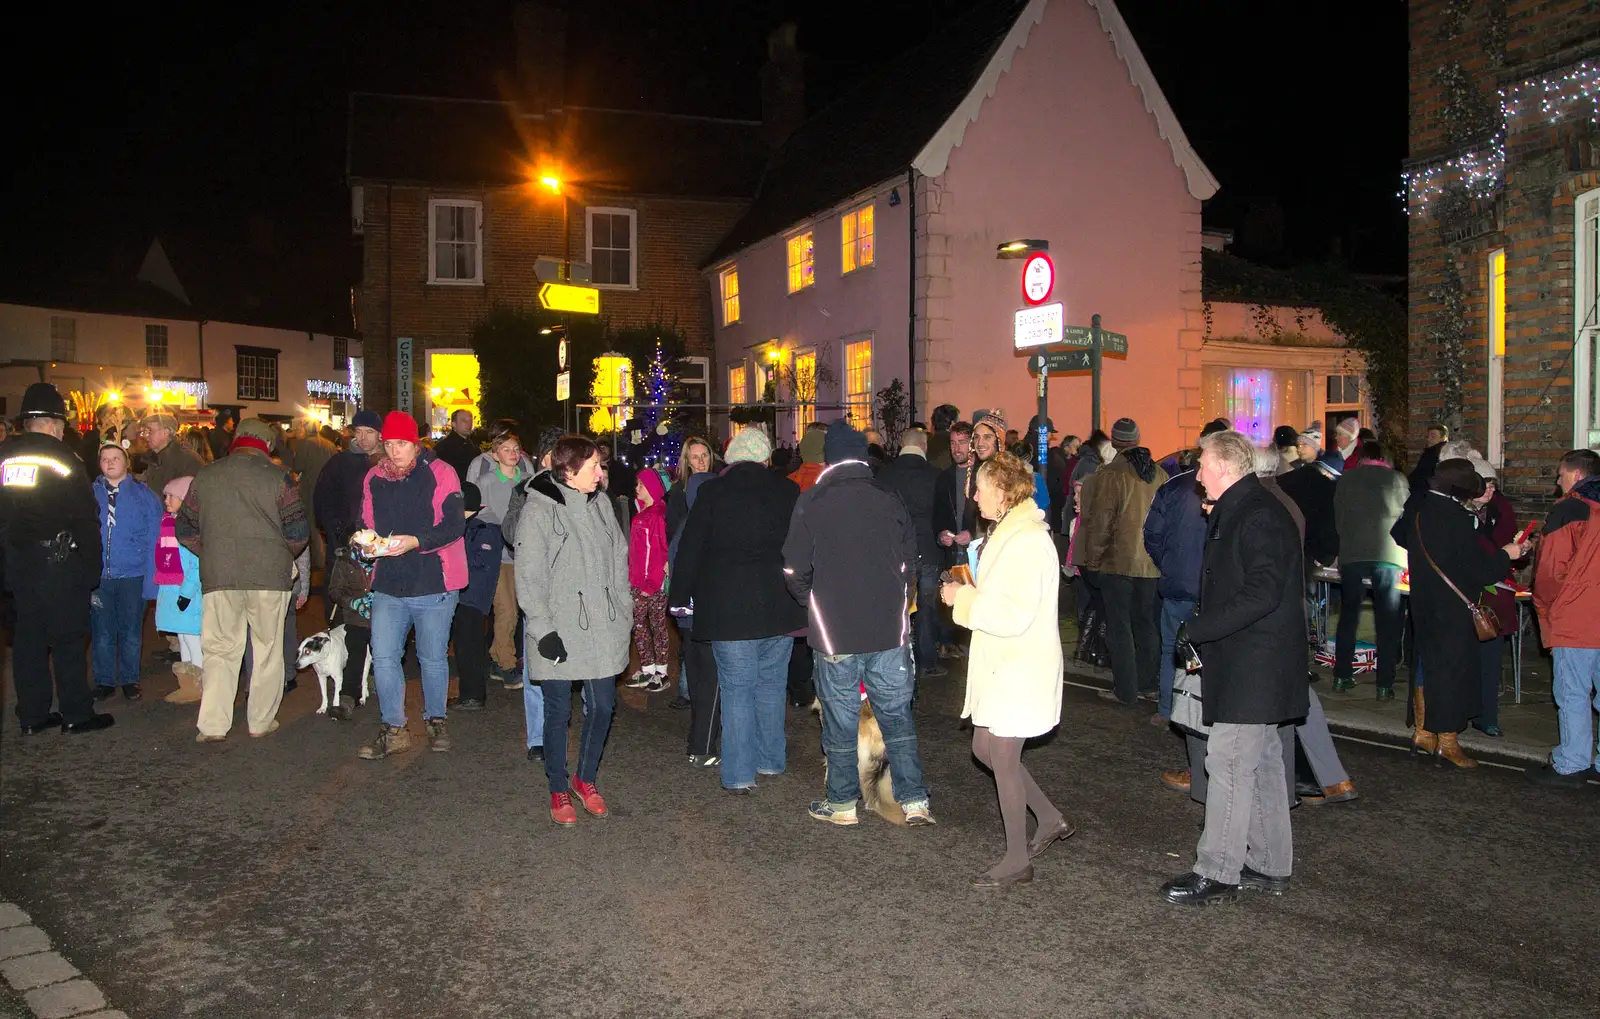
[(790, 265), (723, 298), (64, 324), (857, 421), (433, 241), (850, 260), (633, 244), (341, 354), (1586, 333), (805, 411), (153, 329), (263, 355), (742, 397)]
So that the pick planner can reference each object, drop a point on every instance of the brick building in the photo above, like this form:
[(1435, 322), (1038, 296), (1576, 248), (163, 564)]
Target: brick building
[(447, 199), (1503, 191)]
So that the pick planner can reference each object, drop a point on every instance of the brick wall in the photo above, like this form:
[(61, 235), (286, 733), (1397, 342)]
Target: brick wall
[(673, 236), (1462, 54)]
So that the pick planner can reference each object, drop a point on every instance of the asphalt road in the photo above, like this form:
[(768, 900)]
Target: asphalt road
[(285, 877)]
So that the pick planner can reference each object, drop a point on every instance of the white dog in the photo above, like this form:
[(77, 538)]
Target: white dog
[(325, 652)]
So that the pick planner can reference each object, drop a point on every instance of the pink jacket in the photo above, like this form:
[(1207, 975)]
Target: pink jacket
[(647, 538)]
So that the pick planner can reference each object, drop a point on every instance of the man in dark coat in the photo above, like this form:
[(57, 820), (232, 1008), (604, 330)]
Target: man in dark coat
[(457, 449), (1438, 435), (1250, 630), (336, 506), (914, 478)]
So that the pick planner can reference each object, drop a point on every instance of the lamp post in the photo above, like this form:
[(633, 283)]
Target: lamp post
[(1026, 248)]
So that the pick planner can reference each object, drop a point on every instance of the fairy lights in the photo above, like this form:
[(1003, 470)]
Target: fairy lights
[(195, 389), (329, 388), (1534, 103)]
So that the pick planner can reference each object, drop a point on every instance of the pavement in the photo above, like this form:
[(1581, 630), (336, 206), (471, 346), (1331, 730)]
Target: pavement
[(284, 877)]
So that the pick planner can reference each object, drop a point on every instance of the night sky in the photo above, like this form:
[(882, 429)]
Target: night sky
[(224, 126)]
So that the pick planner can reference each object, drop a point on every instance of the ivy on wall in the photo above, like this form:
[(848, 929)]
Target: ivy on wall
[(1449, 334)]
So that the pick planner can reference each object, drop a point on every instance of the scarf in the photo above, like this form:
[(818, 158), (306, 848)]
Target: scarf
[(390, 471), (250, 442), (169, 564)]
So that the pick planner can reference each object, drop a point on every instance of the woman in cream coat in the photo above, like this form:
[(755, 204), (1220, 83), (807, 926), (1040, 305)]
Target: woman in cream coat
[(1014, 665)]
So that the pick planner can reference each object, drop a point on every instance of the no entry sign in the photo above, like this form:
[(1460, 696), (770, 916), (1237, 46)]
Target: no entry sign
[(1038, 278)]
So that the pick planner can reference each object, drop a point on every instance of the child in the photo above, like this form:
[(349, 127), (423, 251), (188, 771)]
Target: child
[(467, 629), (647, 574), (178, 596)]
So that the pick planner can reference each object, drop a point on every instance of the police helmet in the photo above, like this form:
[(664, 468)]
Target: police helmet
[(43, 401)]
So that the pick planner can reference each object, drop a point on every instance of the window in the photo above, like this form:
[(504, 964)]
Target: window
[(454, 232), (1586, 374), (730, 296), (257, 371), (802, 271), (858, 383), (155, 346), (1344, 389), (805, 391), (63, 338), (341, 354), (1497, 356), (736, 386), (612, 251), (855, 236), (1256, 400)]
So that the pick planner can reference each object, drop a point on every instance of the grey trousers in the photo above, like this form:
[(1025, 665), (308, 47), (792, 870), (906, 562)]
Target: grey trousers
[(1247, 812), (1313, 735)]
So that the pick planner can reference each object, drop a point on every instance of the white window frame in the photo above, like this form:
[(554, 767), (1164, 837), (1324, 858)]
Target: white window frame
[(742, 397), (433, 241), (731, 272), (633, 244), (855, 241), (787, 267), (1495, 320), (1586, 329), (262, 356), (871, 394), (802, 415)]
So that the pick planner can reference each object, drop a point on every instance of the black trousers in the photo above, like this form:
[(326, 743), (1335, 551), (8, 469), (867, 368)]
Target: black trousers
[(705, 706), (1133, 634), (472, 651), (49, 653), (802, 690)]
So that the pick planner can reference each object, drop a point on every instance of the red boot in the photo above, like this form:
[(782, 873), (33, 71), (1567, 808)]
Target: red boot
[(589, 796), (561, 811)]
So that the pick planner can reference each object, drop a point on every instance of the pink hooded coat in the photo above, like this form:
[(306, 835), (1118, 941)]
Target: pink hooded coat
[(647, 538)]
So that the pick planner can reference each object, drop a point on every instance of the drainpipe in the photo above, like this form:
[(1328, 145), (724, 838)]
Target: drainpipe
[(911, 298), (201, 338), (388, 273)]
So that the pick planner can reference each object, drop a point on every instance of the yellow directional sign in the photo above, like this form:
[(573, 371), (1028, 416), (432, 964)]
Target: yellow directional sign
[(566, 297)]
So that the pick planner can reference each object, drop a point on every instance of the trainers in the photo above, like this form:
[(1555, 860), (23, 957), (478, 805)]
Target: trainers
[(589, 796), (704, 760), (1385, 693), (638, 680), (656, 684), (392, 739), (464, 703), (512, 679), (834, 813), (1348, 683), (918, 814), (561, 811), (438, 738)]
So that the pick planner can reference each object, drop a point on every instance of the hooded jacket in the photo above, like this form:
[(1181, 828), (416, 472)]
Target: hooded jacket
[(482, 543), (129, 548), (426, 503), (647, 538), (1175, 537), (811, 465), (1566, 581)]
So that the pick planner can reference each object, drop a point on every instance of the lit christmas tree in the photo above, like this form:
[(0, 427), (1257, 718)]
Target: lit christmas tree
[(661, 438)]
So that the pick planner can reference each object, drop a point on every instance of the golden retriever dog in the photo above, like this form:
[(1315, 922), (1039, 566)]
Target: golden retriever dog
[(872, 766)]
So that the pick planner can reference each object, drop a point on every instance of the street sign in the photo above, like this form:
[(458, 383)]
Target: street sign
[(547, 269), (1038, 278), (1061, 361), (564, 387), (1115, 344), (561, 354), (564, 297), (1039, 327)]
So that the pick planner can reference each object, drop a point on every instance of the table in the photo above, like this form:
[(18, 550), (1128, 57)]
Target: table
[(1324, 577)]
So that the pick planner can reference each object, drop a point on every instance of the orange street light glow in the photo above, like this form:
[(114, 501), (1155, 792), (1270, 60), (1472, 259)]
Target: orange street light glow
[(552, 183)]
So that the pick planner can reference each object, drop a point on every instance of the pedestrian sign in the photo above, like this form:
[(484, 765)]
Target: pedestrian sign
[(1061, 361), (1112, 343), (565, 297)]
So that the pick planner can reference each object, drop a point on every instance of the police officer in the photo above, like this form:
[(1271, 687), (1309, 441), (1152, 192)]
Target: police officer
[(50, 529)]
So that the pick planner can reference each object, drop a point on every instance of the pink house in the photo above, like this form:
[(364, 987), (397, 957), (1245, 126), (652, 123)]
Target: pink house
[(869, 253)]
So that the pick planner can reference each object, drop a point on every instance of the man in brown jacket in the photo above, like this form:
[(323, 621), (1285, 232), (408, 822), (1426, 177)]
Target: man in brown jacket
[(243, 519), (165, 457), (1114, 502)]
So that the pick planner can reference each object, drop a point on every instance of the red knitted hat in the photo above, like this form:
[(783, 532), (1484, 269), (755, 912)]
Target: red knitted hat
[(397, 424)]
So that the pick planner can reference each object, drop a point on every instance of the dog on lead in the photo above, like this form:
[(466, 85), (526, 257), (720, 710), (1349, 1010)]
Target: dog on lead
[(325, 653), (872, 766)]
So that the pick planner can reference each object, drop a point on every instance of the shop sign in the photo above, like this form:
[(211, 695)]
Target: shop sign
[(403, 365)]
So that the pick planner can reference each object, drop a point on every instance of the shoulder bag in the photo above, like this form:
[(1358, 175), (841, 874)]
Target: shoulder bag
[(1484, 621)]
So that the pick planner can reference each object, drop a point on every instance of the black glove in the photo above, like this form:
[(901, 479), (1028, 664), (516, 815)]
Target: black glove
[(183, 604), (551, 648)]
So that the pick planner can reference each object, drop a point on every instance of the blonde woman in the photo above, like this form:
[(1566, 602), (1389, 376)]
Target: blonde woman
[(1014, 665)]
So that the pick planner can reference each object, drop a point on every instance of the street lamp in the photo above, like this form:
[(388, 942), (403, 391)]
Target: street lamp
[(1021, 248)]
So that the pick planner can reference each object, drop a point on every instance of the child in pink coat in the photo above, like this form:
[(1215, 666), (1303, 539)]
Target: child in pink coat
[(647, 575)]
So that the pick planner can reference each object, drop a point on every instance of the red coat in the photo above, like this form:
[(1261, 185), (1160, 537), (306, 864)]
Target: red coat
[(1566, 582)]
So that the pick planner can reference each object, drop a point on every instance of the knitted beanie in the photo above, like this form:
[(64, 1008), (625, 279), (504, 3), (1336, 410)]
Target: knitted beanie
[(750, 446)]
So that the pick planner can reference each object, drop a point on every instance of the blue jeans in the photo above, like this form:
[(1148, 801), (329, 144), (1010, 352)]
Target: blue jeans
[(117, 614), (1174, 613), (1577, 681), (1386, 609), (753, 676), (888, 681), (392, 619), (927, 618), (532, 696), (599, 702)]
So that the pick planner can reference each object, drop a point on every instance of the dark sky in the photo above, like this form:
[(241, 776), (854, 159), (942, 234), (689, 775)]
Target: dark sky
[(224, 124)]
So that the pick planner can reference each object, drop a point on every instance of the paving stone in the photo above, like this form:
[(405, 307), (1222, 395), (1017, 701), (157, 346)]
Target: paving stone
[(115, 1013), (15, 941), (58, 1001), (26, 972), (12, 916)]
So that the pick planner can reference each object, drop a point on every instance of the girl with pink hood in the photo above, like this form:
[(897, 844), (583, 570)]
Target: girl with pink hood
[(178, 596), (647, 575)]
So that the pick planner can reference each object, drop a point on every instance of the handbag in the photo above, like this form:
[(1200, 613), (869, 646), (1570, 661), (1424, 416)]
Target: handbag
[(1484, 621), (1188, 711)]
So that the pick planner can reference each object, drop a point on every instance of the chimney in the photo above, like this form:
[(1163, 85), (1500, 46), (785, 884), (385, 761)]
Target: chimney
[(783, 86), (540, 30)]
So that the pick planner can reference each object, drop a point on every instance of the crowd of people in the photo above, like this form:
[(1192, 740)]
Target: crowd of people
[(845, 575)]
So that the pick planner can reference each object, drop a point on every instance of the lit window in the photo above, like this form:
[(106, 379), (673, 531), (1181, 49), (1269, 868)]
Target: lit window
[(802, 270), (63, 338), (855, 236), (454, 232), (736, 384), (612, 252), (858, 383), (805, 391), (730, 297), (613, 390), (257, 372), (1497, 356), (155, 346)]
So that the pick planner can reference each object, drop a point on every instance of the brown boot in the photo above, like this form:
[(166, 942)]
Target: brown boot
[(188, 691), (1422, 741), (1450, 750)]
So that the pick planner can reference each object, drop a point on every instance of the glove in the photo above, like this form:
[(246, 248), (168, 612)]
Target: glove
[(95, 601), (551, 648), (183, 604)]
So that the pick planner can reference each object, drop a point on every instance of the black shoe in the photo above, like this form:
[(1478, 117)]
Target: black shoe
[(1254, 881), (1385, 693), (132, 692), (51, 721), (1546, 775), (1004, 881), (94, 723), (465, 703), (102, 692), (1308, 789), (933, 672), (167, 657), (1194, 890), (536, 753), (290, 683), (678, 703), (1491, 731)]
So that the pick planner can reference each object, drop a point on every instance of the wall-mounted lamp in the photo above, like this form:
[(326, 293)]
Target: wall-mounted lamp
[(1021, 248)]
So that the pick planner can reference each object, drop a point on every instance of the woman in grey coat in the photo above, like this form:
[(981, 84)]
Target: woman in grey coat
[(572, 585)]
